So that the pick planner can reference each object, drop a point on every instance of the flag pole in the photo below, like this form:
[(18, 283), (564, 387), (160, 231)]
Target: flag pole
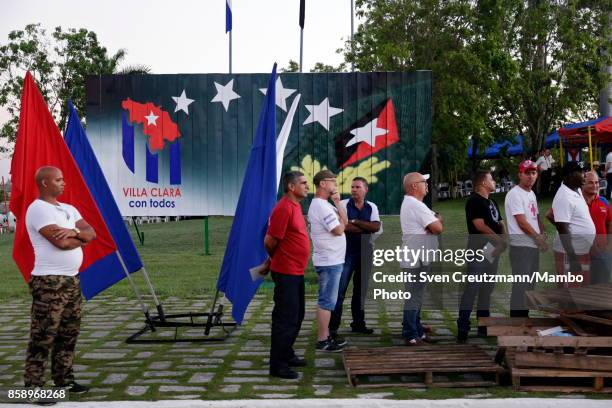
[(230, 51), (143, 306), (352, 30), (301, 23), (301, 49)]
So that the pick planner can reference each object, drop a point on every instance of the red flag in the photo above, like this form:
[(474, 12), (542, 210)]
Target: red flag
[(39, 143)]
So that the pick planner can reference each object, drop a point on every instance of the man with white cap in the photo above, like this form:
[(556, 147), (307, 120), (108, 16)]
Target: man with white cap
[(420, 227)]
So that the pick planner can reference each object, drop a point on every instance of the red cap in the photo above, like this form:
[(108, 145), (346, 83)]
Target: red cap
[(527, 165)]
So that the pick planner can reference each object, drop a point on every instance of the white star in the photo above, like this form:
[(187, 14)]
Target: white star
[(151, 119), (225, 94), (367, 133), (281, 94), (182, 103), (321, 113)]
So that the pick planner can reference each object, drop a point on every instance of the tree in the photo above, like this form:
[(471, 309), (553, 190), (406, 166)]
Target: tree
[(293, 66), (500, 67), (400, 35), (59, 63)]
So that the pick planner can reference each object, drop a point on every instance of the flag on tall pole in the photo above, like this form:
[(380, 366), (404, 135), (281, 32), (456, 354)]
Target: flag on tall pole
[(228, 29), (98, 279), (245, 247), (302, 16), (39, 143)]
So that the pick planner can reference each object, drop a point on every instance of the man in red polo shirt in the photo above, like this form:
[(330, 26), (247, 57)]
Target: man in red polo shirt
[(289, 247), (602, 218)]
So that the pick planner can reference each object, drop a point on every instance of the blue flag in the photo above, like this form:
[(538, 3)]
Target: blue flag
[(228, 15), (245, 247), (100, 275)]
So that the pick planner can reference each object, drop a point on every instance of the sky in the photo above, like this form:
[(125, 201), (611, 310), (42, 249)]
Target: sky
[(188, 36)]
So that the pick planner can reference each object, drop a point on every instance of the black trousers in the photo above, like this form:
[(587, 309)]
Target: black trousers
[(287, 317), (609, 188), (524, 261)]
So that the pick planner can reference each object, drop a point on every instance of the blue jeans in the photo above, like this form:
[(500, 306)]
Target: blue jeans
[(329, 281), (472, 289), (412, 327), (359, 270)]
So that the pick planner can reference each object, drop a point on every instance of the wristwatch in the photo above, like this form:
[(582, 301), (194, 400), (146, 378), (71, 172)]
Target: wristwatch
[(78, 231)]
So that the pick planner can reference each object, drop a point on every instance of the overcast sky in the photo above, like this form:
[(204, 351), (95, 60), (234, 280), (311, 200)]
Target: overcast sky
[(188, 36)]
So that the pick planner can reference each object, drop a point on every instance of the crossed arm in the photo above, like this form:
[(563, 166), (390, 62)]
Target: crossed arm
[(65, 238)]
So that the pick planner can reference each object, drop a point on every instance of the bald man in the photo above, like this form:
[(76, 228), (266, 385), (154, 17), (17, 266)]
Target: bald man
[(58, 233), (420, 227), (601, 214)]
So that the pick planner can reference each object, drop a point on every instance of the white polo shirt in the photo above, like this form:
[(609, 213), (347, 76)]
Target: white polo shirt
[(415, 216), (609, 160), (569, 206), (519, 201), (327, 249)]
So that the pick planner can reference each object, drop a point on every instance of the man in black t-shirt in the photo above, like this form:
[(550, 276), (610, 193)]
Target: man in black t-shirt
[(486, 232)]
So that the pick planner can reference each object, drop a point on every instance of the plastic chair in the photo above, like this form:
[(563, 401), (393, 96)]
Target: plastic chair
[(469, 187)]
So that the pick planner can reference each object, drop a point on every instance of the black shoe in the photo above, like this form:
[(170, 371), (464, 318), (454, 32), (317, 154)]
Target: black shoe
[(482, 331), (361, 329), (285, 373), (462, 337), (75, 388), (297, 362), (341, 341), (329, 345)]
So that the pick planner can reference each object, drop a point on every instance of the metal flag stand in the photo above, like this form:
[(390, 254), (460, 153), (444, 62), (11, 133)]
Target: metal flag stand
[(214, 318)]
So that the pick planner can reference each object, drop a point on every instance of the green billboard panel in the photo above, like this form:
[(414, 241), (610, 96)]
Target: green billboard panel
[(179, 144)]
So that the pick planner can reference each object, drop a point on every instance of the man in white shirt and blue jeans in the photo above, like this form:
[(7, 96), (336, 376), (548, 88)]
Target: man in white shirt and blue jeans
[(327, 224)]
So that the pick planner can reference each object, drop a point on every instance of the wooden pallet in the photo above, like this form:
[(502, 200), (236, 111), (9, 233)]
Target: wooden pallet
[(557, 380), (428, 361)]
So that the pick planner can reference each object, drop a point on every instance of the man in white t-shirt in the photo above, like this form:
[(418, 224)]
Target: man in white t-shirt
[(327, 224), (525, 233), (609, 174), (57, 232), (545, 164), (420, 229), (575, 228)]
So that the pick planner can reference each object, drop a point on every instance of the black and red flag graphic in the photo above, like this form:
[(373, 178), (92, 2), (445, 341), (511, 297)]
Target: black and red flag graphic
[(374, 131)]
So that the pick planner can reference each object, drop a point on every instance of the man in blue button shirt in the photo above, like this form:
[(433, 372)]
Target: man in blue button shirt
[(364, 220)]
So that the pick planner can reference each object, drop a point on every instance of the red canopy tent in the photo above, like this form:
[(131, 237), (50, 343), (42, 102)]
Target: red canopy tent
[(597, 131)]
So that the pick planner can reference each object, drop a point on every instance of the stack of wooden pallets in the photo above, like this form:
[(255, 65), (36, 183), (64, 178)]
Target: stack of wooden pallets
[(579, 363), (431, 366)]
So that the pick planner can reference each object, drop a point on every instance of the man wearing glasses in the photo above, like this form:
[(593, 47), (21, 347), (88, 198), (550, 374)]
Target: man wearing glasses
[(327, 224), (58, 233), (420, 228)]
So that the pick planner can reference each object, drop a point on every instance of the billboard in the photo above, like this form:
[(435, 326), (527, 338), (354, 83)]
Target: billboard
[(179, 144)]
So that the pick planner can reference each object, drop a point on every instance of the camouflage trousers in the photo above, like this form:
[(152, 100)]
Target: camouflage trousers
[(56, 322)]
